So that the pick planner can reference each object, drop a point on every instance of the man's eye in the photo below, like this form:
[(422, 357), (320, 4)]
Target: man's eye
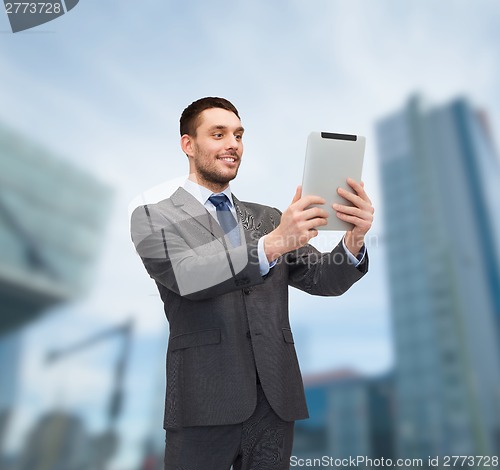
[(238, 137), (218, 135)]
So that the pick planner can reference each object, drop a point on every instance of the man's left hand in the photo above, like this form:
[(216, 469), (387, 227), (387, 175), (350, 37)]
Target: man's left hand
[(360, 215)]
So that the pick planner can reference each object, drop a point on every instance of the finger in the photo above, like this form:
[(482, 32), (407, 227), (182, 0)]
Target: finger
[(320, 221), (298, 194), (364, 204), (349, 196), (317, 222), (359, 188), (313, 212), (310, 200), (353, 210), (361, 224)]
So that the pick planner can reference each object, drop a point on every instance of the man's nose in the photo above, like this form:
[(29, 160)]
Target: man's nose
[(232, 142)]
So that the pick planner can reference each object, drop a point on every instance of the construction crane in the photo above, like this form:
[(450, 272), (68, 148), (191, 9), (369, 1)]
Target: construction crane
[(104, 445)]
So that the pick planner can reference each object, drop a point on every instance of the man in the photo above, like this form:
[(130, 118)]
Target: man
[(223, 268)]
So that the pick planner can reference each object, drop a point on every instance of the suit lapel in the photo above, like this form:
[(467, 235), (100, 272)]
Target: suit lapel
[(240, 214), (246, 220), (185, 201)]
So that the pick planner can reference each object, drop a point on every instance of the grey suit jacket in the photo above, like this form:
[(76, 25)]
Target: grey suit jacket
[(227, 322)]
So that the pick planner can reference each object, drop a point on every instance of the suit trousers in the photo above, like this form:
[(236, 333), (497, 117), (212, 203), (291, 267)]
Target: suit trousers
[(262, 442)]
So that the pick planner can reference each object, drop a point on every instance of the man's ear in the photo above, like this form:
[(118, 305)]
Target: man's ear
[(187, 145)]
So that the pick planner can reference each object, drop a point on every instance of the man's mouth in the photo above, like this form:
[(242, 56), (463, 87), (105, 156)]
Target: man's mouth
[(227, 158)]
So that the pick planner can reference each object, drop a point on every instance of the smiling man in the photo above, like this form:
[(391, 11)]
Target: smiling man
[(213, 142), (222, 268)]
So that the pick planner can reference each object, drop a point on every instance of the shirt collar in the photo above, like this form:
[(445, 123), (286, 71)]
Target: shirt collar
[(202, 194)]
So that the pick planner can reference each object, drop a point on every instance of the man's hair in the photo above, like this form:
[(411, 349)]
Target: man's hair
[(190, 116)]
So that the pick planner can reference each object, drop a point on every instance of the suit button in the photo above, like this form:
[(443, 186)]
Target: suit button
[(249, 336), (247, 291)]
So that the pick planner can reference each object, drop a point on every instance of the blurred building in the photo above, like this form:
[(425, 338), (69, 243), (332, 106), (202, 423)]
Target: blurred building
[(52, 216), (153, 450), (10, 348), (51, 219), (440, 181), (58, 441), (350, 416)]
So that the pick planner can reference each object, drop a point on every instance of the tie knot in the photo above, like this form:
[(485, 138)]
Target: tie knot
[(221, 202)]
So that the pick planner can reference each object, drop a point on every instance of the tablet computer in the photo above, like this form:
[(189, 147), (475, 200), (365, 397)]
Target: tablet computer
[(330, 159)]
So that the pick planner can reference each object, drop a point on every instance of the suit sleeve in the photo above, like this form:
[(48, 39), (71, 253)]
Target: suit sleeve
[(325, 274), (175, 256)]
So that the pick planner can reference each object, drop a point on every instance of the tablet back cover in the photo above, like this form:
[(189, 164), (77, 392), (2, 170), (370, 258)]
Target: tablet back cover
[(330, 159)]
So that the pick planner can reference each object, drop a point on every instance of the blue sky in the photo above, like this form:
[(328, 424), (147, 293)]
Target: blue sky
[(104, 86)]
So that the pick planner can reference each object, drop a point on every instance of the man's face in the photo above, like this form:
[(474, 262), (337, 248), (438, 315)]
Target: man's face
[(215, 153)]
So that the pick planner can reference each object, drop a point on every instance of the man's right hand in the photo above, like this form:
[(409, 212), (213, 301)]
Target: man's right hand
[(298, 225)]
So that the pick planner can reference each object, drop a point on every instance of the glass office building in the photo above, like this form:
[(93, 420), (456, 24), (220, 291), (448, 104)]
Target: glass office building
[(440, 183), (10, 348), (350, 416), (52, 215)]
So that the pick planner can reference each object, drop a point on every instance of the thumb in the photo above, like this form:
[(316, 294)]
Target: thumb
[(298, 194)]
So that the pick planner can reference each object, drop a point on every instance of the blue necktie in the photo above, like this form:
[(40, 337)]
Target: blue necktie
[(226, 219)]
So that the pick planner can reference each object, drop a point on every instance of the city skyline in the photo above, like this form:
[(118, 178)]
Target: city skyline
[(435, 164)]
